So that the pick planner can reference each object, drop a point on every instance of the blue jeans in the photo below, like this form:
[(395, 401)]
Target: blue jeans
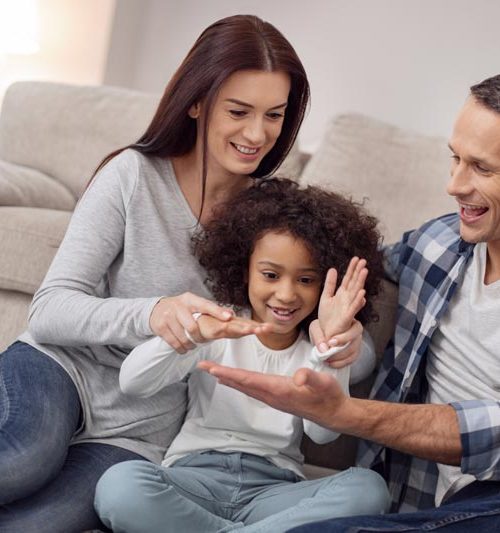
[(474, 508), (46, 485), (216, 492)]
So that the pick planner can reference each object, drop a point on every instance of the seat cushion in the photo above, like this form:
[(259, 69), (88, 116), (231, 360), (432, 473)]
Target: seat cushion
[(27, 187), (402, 175), (30, 237)]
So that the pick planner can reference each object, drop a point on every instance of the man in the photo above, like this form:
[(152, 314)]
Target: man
[(434, 425)]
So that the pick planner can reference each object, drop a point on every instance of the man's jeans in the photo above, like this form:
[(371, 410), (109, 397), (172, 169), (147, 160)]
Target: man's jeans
[(474, 508), (45, 484)]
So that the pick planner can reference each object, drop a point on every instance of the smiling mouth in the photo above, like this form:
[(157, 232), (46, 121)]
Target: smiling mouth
[(245, 150), (471, 213), (282, 314)]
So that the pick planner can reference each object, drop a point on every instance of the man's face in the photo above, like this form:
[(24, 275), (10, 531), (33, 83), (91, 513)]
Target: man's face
[(475, 173)]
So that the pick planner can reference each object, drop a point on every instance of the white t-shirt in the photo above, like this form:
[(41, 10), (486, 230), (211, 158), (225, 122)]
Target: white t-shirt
[(223, 419), (464, 360)]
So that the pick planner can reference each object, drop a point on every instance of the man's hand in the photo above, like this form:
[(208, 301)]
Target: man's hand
[(429, 431), (308, 394)]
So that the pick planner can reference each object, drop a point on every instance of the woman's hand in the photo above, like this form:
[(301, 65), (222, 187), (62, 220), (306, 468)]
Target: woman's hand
[(348, 355), (173, 316), (213, 328)]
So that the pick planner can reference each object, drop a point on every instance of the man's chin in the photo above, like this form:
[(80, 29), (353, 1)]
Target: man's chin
[(472, 237)]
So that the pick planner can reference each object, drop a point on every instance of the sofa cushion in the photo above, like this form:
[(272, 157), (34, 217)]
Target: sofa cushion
[(30, 237), (27, 187), (401, 174), (292, 165), (66, 130), (13, 316)]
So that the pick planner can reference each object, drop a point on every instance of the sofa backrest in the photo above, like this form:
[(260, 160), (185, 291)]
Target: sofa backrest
[(400, 175), (65, 131)]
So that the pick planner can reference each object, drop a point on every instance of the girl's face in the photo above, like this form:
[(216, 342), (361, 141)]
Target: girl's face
[(246, 119), (284, 286)]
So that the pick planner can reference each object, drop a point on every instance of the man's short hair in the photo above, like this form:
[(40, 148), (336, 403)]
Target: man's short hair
[(488, 93)]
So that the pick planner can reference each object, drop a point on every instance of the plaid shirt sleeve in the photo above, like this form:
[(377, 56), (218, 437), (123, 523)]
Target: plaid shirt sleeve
[(479, 422)]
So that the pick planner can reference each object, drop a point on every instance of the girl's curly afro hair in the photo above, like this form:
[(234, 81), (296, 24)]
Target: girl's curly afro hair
[(333, 228)]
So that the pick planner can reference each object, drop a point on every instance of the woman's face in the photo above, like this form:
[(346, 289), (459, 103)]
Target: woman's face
[(246, 119)]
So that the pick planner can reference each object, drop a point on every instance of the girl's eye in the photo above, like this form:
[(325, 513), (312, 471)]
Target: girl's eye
[(306, 281), (455, 158), (238, 113), (270, 275)]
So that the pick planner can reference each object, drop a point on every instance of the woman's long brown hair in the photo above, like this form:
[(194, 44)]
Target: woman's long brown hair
[(240, 42)]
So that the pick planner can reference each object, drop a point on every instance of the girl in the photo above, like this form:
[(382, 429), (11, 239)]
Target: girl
[(236, 463), (230, 113)]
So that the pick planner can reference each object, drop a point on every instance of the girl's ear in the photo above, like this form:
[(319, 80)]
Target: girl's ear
[(195, 110)]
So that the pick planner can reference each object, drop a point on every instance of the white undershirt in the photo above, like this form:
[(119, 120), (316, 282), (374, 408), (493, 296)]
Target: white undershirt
[(463, 360)]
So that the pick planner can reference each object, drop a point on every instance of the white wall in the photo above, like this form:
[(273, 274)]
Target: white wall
[(408, 62), (73, 38)]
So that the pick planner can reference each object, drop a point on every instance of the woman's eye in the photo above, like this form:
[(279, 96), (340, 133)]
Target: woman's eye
[(270, 275), (237, 113), (275, 116), (455, 158), (306, 281)]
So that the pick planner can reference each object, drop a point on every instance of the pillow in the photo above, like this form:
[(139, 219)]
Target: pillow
[(66, 130), (23, 186), (30, 238), (400, 175), (292, 165)]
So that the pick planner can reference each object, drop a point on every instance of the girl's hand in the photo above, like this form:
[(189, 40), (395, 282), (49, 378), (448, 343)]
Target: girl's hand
[(213, 328), (338, 307), (172, 316), (353, 336)]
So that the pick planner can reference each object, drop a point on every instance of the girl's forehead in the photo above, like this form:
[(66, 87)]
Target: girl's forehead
[(284, 249)]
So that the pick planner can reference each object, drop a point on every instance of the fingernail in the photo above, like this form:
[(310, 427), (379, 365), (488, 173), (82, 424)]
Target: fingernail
[(333, 342), (323, 347), (227, 314)]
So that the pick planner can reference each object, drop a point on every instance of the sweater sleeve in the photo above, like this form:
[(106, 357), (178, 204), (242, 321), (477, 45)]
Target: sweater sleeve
[(318, 433), (67, 309)]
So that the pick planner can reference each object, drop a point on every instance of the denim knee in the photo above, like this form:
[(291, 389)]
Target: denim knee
[(371, 495), (118, 492), (35, 431)]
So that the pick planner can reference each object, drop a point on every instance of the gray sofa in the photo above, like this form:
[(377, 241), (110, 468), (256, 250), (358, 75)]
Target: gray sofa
[(52, 137)]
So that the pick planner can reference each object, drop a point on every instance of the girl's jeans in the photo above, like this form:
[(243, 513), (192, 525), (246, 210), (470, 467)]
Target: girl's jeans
[(46, 485), (212, 491)]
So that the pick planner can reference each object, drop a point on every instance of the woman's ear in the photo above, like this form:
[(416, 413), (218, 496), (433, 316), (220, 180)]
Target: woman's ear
[(195, 110)]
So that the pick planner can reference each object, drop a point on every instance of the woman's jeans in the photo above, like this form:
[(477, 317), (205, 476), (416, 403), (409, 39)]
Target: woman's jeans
[(46, 485), (212, 491), (474, 508)]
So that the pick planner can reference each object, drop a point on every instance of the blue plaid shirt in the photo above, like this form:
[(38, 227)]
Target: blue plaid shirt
[(428, 264)]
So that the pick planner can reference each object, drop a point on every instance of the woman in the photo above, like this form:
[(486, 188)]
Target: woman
[(231, 112), (123, 271)]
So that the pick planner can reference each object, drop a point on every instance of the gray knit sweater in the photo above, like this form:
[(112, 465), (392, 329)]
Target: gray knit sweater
[(127, 245)]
